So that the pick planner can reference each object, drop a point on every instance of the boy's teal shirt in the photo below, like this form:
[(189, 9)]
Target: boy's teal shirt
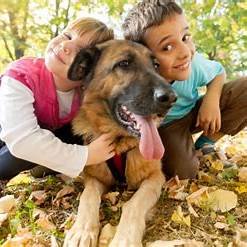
[(203, 71)]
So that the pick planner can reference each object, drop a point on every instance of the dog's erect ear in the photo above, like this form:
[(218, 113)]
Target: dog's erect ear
[(83, 65)]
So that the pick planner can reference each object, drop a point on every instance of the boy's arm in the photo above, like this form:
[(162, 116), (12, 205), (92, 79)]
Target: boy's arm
[(209, 117)]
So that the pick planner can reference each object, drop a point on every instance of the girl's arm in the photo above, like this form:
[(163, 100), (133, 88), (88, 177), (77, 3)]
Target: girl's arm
[(26, 140)]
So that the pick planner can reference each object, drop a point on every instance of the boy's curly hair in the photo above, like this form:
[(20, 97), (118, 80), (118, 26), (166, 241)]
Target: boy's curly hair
[(145, 14)]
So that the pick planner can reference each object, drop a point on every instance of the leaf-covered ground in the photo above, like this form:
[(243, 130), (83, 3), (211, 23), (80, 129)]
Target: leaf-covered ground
[(210, 210)]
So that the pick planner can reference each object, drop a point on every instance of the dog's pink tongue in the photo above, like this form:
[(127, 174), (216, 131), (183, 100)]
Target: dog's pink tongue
[(150, 146)]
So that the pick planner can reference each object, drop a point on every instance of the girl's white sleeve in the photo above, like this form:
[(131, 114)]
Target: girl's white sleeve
[(26, 140)]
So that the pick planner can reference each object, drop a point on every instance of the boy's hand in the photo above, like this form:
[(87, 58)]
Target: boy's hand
[(100, 150), (209, 116)]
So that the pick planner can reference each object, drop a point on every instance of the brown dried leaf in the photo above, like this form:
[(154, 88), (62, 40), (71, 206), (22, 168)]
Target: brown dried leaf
[(3, 218), (66, 190), (42, 220), (38, 196), (112, 197)]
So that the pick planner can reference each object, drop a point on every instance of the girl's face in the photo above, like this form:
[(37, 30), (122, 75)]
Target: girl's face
[(59, 55), (172, 45)]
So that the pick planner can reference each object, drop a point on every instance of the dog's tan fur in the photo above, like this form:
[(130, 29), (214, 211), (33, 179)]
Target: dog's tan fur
[(146, 176)]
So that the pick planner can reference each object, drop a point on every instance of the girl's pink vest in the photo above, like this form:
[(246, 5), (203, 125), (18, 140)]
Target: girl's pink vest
[(33, 73)]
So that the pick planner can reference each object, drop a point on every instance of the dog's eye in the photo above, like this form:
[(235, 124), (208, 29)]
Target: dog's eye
[(156, 64), (123, 64)]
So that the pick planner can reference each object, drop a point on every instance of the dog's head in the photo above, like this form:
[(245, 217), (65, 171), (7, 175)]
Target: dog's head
[(123, 76)]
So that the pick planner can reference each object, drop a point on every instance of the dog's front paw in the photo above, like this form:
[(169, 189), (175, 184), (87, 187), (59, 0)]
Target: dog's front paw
[(82, 235), (124, 243)]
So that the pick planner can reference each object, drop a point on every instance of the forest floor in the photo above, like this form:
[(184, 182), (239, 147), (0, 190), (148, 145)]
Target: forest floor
[(208, 211)]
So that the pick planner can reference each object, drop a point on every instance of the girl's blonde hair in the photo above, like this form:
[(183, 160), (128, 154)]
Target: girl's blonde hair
[(97, 30)]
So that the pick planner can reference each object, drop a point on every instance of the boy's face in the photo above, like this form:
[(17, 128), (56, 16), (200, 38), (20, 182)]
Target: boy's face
[(172, 45), (60, 54)]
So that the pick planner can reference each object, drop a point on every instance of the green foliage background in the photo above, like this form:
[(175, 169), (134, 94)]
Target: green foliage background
[(218, 26)]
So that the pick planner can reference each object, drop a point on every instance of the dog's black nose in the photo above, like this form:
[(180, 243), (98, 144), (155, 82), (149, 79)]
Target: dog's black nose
[(162, 95)]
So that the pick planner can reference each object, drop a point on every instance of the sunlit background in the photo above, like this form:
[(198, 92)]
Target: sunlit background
[(218, 26)]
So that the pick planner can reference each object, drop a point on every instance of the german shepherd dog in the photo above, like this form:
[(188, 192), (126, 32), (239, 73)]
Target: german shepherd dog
[(126, 97)]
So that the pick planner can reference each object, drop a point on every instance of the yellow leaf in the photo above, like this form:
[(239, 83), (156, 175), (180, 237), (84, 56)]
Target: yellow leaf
[(198, 196), (21, 178), (179, 218), (217, 165), (231, 151), (241, 188)]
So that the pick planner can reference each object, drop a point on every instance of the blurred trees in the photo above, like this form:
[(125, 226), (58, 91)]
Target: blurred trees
[(220, 31), (218, 26)]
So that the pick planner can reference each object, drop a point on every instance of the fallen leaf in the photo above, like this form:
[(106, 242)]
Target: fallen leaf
[(242, 174), (64, 191), (178, 195), (42, 220), (7, 203), (220, 225), (65, 203), (178, 217), (39, 213), (193, 187), (172, 184), (45, 224), (38, 196), (106, 235), (222, 200), (231, 151), (242, 188), (3, 218), (192, 211), (241, 235), (174, 243), (240, 239), (112, 197), (198, 196), (22, 178), (20, 240), (217, 165), (205, 177)]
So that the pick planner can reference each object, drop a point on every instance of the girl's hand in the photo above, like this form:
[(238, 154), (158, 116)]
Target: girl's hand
[(100, 150), (209, 116)]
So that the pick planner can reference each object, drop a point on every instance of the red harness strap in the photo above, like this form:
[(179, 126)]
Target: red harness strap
[(117, 166)]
